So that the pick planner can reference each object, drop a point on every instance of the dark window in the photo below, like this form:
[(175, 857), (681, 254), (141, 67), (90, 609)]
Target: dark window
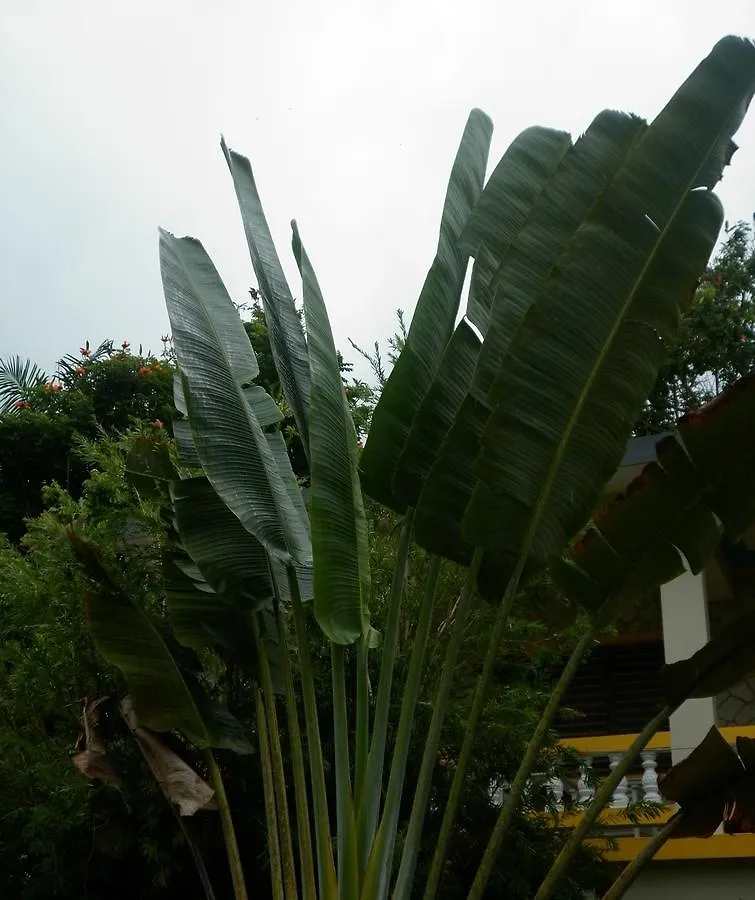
[(615, 691)]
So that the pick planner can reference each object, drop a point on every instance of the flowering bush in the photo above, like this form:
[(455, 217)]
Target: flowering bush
[(102, 390)]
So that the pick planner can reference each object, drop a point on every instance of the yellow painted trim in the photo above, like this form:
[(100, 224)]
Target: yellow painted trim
[(719, 846), (618, 743), (617, 818), (732, 732)]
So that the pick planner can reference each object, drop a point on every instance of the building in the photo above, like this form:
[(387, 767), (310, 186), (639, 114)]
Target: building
[(617, 692)]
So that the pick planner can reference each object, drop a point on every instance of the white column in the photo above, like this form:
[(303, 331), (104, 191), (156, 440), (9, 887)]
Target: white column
[(620, 799), (585, 791), (684, 609), (650, 777), (556, 788)]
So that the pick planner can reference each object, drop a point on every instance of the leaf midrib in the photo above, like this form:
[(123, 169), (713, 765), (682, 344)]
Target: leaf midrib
[(545, 490)]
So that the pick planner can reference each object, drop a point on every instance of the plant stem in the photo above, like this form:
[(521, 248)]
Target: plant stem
[(279, 775), (402, 888), (506, 815), (348, 866), (602, 797), (196, 856), (369, 805), (363, 719), (229, 834), (478, 703), (268, 787), (304, 833), (326, 873), (630, 873), (377, 879)]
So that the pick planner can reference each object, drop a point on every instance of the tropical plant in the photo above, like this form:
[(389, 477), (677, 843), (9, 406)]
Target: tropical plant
[(18, 377), (102, 391), (494, 439), (716, 341)]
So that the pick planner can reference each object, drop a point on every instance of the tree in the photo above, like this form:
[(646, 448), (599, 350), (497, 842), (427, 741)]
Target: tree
[(103, 390), (715, 345), (136, 838), (494, 452)]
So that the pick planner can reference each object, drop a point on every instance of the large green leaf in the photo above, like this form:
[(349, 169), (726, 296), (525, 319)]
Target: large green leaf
[(562, 186), (303, 571), (229, 440), (284, 325), (585, 356), (703, 478), (507, 200), (165, 690), (433, 320), (339, 526), (435, 416), (228, 557)]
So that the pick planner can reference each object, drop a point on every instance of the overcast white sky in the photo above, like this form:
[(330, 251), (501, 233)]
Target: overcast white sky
[(110, 116)]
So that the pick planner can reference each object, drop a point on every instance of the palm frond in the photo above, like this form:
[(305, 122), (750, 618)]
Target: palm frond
[(17, 377)]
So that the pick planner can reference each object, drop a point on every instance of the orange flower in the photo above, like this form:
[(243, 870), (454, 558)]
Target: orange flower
[(144, 370), (79, 370), (21, 404)]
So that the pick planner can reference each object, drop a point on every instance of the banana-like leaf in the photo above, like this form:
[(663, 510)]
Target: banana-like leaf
[(711, 785), (185, 449), (585, 356), (703, 479), (726, 659), (435, 416), (229, 558), (165, 691), (303, 572), (339, 526), (507, 201), (561, 188), (284, 325), (433, 320), (520, 176), (210, 344)]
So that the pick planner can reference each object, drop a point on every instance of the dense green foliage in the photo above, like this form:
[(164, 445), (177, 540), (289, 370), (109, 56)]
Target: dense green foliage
[(104, 391), (59, 832), (716, 341), (492, 447)]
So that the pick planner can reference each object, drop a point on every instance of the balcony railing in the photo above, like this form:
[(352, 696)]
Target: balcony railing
[(600, 755)]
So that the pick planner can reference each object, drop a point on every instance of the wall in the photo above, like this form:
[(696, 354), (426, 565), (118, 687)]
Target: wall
[(708, 880)]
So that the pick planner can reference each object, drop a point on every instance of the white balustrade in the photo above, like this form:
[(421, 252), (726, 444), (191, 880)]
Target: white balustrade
[(650, 792), (620, 799), (628, 791), (585, 791), (556, 788)]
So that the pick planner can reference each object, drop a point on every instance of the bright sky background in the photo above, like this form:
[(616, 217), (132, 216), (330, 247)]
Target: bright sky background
[(110, 116)]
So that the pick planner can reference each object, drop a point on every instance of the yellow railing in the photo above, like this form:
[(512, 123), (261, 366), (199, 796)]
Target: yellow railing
[(632, 839)]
